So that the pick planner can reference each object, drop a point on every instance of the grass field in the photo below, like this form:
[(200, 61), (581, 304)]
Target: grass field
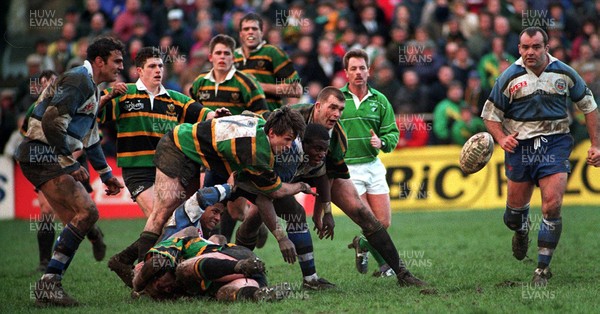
[(465, 256)]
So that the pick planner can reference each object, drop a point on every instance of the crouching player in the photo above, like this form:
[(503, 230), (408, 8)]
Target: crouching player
[(187, 264)]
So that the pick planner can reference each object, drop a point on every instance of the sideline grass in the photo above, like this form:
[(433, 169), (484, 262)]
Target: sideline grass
[(465, 256)]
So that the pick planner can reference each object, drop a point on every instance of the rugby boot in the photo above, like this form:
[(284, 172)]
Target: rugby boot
[(541, 276), (361, 259), (49, 292), (520, 243)]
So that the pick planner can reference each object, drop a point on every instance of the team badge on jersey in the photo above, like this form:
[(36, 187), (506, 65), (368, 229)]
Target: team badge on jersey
[(260, 65), (373, 107), (235, 97), (171, 110), (204, 95), (88, 108), (560, 85)]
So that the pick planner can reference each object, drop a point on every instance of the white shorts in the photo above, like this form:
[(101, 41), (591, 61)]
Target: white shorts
[(369, 177)]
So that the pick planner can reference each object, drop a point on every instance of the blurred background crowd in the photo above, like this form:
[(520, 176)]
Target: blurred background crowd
[(435, 60)]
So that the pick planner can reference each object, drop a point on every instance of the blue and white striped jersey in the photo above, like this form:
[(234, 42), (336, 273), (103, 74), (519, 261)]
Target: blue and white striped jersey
[(534, 106)]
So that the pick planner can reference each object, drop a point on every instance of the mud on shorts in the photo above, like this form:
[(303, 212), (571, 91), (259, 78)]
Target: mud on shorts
[(539, 157), (174, 163), (39, 163)]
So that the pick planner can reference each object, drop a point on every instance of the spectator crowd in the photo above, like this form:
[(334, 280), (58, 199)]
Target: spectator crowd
[(435, 60)]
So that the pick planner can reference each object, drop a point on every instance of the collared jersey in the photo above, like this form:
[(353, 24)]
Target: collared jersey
[(233, 143), (373, 113), (334, 160), (75, 96), (140, 123), (534, 106), (268, 64), (238, 92)]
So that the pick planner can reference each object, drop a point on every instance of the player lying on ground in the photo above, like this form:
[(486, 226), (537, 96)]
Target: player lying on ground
[(201, 211), (188, 265)]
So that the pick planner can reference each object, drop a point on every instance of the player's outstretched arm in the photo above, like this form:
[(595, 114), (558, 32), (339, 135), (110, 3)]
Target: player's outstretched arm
[(269, 218)]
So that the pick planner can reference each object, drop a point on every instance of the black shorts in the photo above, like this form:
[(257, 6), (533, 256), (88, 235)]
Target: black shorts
[(174, 163), (138, 180), (39, 163)]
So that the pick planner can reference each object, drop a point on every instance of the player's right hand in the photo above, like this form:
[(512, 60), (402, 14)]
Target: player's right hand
[(119, 89), (80, 174), (287, 250), (593, 157), (509, 142), (222, 112)]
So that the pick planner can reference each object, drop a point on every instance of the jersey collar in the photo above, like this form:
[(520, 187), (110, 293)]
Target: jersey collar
[(210, 76), (140, 86)]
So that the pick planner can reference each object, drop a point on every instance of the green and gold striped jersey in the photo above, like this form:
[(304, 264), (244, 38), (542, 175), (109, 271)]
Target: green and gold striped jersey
[(234, 143), (268, 64), (141, 122), (238, 92)]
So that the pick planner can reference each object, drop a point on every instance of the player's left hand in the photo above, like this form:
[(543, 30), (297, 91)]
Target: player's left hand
[(328, 226), (375, 140), (593, 157), (113, 186)]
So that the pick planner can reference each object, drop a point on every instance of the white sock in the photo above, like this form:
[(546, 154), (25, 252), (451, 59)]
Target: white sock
[(311, 277)]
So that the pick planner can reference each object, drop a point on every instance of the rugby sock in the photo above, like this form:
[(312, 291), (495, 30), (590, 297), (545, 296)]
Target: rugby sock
[(304, 248), (548, 236), (215, 268), (65, 249), (145, 243), (129, 254), (380, 240), (365, 245), (45, 237), (93, 234), (516, 218)]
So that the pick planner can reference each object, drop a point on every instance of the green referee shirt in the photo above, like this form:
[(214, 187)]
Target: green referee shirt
[(373, 112)]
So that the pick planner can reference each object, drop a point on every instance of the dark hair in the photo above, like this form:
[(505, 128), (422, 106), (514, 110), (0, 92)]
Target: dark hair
[(252, 17), (314, 132), (221, 39), (145, 54), (47, 74), (355, 53), (102, 47), (330, 91), (532, 30), (285, 120)]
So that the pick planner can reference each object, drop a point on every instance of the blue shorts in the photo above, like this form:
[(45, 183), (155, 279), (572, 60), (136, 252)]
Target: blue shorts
[(539, 157)]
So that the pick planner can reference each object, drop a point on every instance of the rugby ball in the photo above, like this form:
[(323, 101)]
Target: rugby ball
[(476, 152)]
